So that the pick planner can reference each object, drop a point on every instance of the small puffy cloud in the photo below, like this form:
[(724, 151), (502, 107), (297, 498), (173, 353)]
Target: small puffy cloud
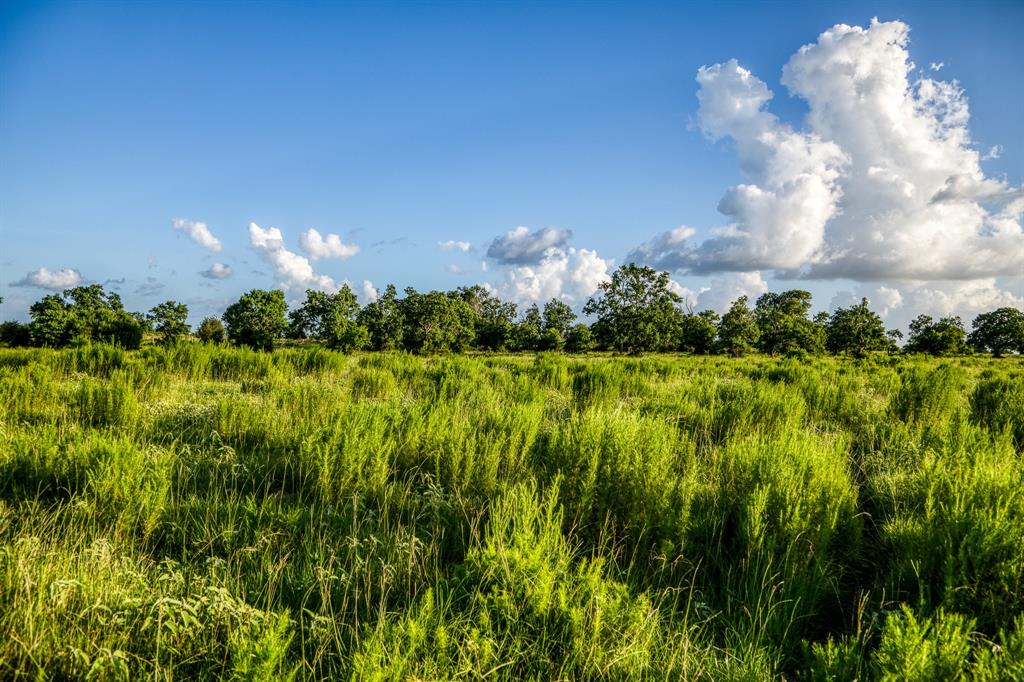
[(453, 269), (199, 233), (55, 280), (453, 245), (936, 66), (217, 271), (330, 246), (293, 271), (569, 274), (522, 247)]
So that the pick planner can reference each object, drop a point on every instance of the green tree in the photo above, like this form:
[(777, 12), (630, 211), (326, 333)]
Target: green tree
[(436, 322), (945, 337), (332, 319), (383, 321), (81, 315), (784, 325), (168, 320), (636, 311), (529, 330), (738, 331), (494, 319), (1000, 331), (14, 334), (210, 330), (52, 322), (558, 316), (856, 330), (697, 332), (579, 339), (257, 319)]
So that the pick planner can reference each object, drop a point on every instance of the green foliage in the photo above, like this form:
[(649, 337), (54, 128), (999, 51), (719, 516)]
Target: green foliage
[(698, 331), (494, 318), (332, 319), (784, 326), (256, 319), (168, 320), (945, 337), (528, 331), (579, 339), (1000, 331), (210, 330), (856, 330), (383, 320), (436, 322), (559, 317), (82, 315), (738, 331), (636, 311), (15, 335)]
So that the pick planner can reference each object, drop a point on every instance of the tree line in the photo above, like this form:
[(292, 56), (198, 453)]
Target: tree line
[(635, 311)]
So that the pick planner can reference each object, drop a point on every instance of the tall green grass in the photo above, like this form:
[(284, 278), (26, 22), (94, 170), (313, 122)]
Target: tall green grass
[(206, 512)]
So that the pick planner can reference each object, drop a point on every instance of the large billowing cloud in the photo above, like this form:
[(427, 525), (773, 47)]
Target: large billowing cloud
[(55, 280), (293, 271), (522, 247), (330, 246), (199, 233), (882, 185)]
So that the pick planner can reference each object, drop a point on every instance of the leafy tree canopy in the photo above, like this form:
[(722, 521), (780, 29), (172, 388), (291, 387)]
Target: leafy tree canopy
[(738, 330), (168, 320), (436, 322), (784, 325), (257, 318), (1000, 331), (856, 330), (945, 337), (210, 330), (697, 332), (83, 314), (636, 311)]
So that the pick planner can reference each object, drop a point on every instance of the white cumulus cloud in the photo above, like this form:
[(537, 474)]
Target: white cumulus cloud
[(881, 184), (293, 271), (199, 233), (454, 245), (329, 246), (55, 280), (566, 273)]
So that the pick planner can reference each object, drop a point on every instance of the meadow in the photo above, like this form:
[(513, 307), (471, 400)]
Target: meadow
[(205, 512)]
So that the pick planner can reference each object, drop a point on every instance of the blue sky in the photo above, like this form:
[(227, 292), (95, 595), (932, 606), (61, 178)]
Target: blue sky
[(401, 126)]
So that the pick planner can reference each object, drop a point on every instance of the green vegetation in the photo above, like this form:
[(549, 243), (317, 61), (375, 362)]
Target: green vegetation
[(198, 511)]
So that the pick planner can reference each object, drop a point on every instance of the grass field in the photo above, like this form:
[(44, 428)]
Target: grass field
[(203, 512)]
